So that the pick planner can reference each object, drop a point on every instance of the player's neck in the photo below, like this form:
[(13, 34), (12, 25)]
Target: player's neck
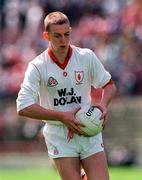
[(60, 55)]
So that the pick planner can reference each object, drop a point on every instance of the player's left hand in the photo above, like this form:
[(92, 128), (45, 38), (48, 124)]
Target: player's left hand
[(104, 116)]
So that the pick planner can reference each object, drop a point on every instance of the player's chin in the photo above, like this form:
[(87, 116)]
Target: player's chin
[(63, 47)]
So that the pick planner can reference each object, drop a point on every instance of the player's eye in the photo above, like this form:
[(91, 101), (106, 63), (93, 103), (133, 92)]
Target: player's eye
[(67, 34), (57, 35)]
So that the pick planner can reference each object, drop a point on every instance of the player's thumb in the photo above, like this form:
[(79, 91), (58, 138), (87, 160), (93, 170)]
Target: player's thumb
[(76, 110), (77, 122)]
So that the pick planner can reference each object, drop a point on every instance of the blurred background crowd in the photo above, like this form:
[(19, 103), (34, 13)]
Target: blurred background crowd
[(111, 28)]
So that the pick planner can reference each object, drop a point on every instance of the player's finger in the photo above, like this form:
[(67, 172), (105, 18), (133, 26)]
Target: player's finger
[(79, 124), (76, 110), (77, 130), (103, 126), (104, 122), (80, 131), (104, 115), (70, 134), (73, 127)]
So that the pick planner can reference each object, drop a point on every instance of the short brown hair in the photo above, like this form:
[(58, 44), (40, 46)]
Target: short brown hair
[(55, 18)]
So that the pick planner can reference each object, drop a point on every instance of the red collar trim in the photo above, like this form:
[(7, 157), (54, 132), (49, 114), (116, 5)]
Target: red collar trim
[(53, 57)]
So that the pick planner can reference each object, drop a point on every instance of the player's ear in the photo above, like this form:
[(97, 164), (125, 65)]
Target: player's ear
[(70, 29), (46, 35)]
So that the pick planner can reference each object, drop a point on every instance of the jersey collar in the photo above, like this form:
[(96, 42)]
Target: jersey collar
[(53, 57)]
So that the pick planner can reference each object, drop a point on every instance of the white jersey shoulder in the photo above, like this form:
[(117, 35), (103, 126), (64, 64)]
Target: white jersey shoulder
[(82, 51), (39, 61)]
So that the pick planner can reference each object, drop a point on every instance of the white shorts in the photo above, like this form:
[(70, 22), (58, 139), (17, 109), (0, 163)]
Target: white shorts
[(79, 146)]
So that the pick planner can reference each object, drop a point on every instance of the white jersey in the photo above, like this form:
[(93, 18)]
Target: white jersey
[(62, 87)]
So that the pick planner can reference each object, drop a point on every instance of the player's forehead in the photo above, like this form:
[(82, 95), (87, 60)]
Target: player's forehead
[(60, 28)]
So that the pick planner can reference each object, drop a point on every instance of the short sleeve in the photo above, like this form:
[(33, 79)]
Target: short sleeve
[(28, 93), (99, 75)]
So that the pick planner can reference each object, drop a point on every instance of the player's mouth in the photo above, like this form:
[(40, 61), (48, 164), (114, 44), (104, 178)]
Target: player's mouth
[(63, 46)]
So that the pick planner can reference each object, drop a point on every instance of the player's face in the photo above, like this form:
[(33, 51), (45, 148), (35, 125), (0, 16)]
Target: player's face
[(59, 37)]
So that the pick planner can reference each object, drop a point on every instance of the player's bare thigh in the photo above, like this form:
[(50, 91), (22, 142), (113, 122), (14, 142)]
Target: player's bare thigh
[(68, 168), (96, 167)]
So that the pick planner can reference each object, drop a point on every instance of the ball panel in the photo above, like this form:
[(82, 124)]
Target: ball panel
[(90, 117)]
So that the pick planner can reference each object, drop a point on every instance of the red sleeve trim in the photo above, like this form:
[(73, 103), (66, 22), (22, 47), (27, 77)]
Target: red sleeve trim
[(109, 83)]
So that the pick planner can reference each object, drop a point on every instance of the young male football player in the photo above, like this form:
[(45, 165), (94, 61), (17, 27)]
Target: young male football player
[(62, 78)]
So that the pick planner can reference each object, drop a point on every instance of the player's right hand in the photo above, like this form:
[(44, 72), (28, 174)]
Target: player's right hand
[(69, 120)]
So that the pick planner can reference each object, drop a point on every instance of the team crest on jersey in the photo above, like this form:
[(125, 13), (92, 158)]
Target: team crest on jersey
[(56, 152), (52, 82), (79, 75)]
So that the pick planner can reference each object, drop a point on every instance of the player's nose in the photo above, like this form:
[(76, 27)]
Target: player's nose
[(63, 39)]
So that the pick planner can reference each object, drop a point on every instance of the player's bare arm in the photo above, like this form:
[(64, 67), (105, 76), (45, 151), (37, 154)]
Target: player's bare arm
[(35, 111), (108, 92)]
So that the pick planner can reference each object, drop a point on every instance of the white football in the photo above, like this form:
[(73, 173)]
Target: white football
[(90, 117)]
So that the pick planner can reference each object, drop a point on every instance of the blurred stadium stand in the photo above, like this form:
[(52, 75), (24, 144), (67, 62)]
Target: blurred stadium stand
[(113, 32)]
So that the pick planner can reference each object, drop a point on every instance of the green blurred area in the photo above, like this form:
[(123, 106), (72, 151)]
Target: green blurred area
[(117, 173)]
